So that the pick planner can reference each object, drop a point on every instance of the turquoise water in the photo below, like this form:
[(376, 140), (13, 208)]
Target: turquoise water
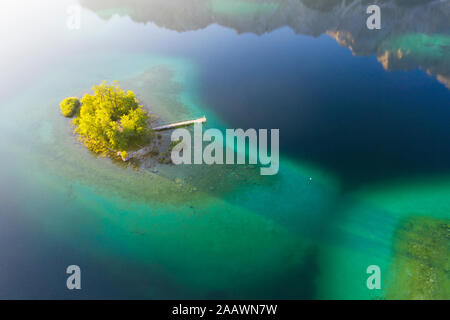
[(224, 231)]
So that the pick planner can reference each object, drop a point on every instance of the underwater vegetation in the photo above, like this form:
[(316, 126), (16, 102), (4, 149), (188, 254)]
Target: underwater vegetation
[(421, 267)]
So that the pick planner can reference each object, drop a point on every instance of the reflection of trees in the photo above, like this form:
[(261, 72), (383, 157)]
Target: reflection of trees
[(344, 20)]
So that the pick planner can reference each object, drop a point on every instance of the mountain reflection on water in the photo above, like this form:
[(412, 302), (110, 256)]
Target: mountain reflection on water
[(414, 34)]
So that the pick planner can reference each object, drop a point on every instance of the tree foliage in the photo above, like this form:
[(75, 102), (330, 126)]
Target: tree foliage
[(111, 119), (69, 106)]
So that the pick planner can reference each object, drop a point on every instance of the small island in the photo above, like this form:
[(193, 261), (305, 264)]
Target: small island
[(110, 121)]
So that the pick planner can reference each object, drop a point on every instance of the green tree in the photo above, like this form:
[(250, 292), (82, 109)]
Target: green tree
[(69, 106), (111, 119)]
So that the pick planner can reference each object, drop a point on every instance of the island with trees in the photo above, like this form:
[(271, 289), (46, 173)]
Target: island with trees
[(110, 121)]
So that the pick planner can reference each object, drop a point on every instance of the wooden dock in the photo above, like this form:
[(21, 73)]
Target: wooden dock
[(180, 124)]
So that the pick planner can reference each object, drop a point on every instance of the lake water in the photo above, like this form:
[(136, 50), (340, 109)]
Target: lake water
[(364, 119)]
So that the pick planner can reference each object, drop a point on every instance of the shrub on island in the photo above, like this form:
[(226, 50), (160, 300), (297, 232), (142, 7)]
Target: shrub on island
[(111, 120), (69, 106)]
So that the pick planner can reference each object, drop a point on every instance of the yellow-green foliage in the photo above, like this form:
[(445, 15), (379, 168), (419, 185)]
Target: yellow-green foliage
[(124, 155), (421, 265), (111, 119), (69, 106)]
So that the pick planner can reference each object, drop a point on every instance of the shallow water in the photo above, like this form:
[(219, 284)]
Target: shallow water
[(364, 126)]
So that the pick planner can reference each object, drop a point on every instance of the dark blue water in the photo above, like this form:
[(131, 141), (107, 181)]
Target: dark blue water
[(343, 112)]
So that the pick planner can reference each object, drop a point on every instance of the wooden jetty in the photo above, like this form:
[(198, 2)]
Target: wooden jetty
[(179, 124)]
